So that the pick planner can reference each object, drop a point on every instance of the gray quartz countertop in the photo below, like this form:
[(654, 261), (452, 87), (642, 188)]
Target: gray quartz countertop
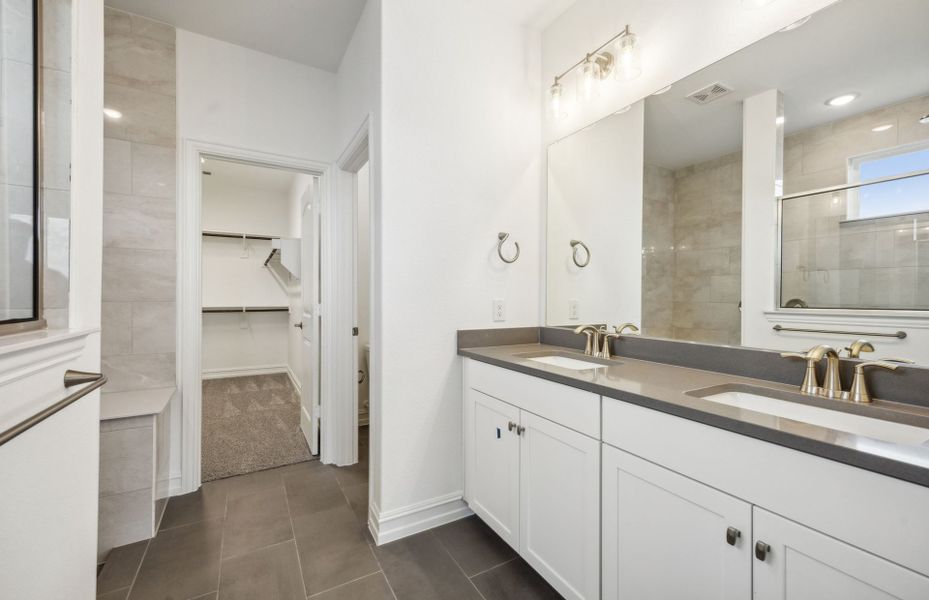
[(665, 388)]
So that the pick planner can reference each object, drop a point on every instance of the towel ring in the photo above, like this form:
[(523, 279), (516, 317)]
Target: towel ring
[(502, 237), (574, 245)]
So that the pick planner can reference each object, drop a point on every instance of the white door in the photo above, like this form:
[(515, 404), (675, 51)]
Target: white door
[(801, 564), (310, 318), (667, 536), (493, 444), (559, 514)]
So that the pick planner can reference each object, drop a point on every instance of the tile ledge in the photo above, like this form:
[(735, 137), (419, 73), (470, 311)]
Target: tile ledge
[(134, 403), (31, 340)]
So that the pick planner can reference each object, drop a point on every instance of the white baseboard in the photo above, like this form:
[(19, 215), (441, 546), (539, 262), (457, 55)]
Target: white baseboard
[(293, 378), (176, 486), (392, 525), (244, 371)]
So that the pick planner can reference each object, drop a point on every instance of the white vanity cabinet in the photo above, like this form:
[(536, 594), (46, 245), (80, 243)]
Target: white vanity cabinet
[(531, 478), (667, 536), (799, 563)]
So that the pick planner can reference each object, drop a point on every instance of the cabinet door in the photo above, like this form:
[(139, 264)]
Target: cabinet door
[(560, 506), (667, 536), (805, 564), (492, 446)]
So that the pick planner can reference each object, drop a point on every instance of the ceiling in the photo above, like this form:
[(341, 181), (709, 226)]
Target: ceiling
[(312, 32), (854, 46), (231, 174)]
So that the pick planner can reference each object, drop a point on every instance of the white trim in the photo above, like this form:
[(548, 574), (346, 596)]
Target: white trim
[(189, 322), (245, 371), (846, 318), (294, 380), (391, 525)]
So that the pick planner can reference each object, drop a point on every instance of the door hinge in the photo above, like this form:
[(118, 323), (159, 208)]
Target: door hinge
[(355, 331)]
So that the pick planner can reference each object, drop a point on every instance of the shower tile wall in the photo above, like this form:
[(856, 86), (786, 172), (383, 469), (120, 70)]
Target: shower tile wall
[(693, 257), (138, 320), (868, 264)]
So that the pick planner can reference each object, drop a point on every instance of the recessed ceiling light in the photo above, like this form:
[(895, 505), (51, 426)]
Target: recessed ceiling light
[(755, 3), (841, 100), (881, 128), (924, 119), (797, 24), (662, 91), (780, 120), (112, 113)]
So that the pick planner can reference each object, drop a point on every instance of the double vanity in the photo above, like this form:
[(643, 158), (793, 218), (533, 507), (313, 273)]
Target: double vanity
[(633, 478)]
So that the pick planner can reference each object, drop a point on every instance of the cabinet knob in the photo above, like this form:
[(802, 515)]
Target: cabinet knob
[(732, 534), (520, 429), (511, 426), (761, 550)]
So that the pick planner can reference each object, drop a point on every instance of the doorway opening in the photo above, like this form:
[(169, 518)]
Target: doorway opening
[(259, 350)]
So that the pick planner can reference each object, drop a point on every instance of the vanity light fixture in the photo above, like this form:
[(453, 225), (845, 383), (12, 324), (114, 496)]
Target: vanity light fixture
[(596, 66), (842, 100), (112, 113), (881, 128)]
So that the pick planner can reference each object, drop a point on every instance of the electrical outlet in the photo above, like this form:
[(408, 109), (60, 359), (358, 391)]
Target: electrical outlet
[(574, 309), (499, 309)]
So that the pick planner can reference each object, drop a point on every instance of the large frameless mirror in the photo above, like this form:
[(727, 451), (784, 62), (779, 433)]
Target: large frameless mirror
[(20, 135)]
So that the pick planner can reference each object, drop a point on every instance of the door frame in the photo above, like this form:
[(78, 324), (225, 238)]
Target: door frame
[(341, 374), (187, 402)]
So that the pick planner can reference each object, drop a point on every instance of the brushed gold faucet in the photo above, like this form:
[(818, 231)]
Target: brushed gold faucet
[(593, 339), (832, 386), (859, 390), (859, 346)]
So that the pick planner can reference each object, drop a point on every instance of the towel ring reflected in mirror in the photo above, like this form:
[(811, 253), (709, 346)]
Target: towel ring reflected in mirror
[(574, 245), (502, 237)]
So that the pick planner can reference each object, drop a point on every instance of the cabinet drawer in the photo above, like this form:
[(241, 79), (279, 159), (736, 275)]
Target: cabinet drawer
[(573, 408)]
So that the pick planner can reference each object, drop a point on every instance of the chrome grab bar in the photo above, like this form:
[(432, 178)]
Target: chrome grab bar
[(900, 335), (71, 379)]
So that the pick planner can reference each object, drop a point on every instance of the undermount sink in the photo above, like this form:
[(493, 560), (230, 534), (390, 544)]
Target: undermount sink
[(887, 431), (556, 359)]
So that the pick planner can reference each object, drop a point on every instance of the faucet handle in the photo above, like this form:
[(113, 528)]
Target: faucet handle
[(859, 391), (605, 351), (859, 346), (904, 361), (621, 328), (799, 355)]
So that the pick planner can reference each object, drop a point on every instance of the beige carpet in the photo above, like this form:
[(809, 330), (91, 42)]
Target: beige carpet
[(250, 424)]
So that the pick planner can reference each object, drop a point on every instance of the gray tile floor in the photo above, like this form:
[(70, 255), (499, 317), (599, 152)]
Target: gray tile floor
[(300, 531)]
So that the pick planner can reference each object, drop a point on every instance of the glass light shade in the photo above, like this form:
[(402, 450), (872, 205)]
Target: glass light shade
[(556, 101), (588, 80), (628, 57)]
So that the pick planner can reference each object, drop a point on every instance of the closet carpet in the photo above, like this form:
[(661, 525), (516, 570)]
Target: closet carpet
[(250, 424)]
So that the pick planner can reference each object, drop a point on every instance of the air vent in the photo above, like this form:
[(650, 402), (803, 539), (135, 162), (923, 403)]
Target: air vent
[(712, 92)]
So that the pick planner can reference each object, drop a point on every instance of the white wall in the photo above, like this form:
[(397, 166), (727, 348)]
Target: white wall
[(595, 196), (240, 209), (460, 162)]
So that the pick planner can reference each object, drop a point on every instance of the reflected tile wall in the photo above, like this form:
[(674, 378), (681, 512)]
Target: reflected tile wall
[(139, 260), (692, 254)]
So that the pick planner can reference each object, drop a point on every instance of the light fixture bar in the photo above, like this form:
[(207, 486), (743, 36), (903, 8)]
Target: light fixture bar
[(594, 53)]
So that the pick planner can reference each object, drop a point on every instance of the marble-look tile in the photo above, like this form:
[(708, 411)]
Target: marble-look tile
[(139, 371), (725, 288), (137, 222), (153, 171), (130, 274), (115, 21), (115, 328), (910, 129), (117, 166), (888, 288), (57, 264), (126, 460), (143, 421), (922, 289), (155, 30), (153, 327), (148, 118), (56, 318), (56, 34), (856, 251), (56, 151), (16, 19), (16, 124), (124, 519), (141, 63)]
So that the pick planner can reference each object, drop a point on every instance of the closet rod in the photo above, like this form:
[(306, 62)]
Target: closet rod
[(245, 309), (237, 236)]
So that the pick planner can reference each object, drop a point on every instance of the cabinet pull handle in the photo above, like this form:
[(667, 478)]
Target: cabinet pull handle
[(761, 550), (520, 429), (732, 534), (511, 426)]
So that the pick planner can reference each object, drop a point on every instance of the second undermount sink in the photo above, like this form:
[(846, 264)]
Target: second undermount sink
[(564, 361), (880, 429)]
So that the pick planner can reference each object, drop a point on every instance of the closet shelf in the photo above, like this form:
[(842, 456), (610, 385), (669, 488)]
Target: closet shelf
[(244, 309), (238, 236)]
